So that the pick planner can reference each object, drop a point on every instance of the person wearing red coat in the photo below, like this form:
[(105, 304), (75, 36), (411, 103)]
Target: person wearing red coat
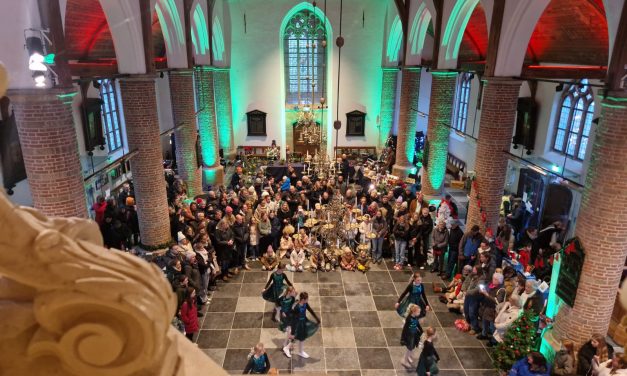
[(189, 313), (99, 208)]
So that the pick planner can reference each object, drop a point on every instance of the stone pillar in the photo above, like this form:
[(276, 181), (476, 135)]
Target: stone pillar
[(139, 104), (50, 149), (405, 144), (498, 116), (223, 110), (184, 112), (388, 104), (443, 86), (600, 228), (212, 171)]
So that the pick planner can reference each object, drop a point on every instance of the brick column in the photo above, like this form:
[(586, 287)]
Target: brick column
[(212, 171), (142, 130), (601, 228), (443, 86), (184, 112), (498, 116), (224, 112), (50, 149), (388, 104), (405, 144)]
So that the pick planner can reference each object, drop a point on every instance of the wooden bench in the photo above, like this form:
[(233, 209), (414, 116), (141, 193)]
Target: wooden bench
[(454, 165), (356, 151)]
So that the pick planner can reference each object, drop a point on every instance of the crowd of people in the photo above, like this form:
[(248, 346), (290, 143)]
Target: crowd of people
[(260, 218)]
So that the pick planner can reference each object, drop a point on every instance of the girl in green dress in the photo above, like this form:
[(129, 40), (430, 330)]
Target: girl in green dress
[(302, 327), (286, 302), (274, 288)]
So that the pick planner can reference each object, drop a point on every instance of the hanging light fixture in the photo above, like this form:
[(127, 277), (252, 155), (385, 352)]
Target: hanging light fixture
[(38, 59)]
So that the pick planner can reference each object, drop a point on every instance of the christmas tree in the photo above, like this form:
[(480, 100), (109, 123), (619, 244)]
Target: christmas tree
[(519, 340)]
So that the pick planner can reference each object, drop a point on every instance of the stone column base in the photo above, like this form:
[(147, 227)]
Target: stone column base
[(212, 176), (402, 171)]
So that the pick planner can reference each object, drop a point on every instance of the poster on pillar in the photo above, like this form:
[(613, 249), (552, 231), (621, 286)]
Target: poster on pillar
[(572, 255)]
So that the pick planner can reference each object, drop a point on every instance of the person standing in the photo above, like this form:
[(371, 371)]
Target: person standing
[(274, 288), (469, 246), (302, 327), (493, 295), (425, 226), (414, 294), (429, 358), (258, 362), (241, 236), (286, 302), (401, 235), (380, 228), (225, 247), (410, 336), (454, 237), (440, 242), (189, 313)]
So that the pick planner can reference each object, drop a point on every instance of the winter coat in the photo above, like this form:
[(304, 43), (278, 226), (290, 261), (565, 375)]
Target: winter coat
[(223, 250), (189, 315), (564, 364), (264, 228), (297, 258), (380, 227), (241, 234), (487, 308), (440, 239), (401, 231), (521, 368), (504, 319), (585, 355)]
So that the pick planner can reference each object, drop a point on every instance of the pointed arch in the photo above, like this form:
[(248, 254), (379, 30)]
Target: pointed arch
[(455, 27), (395, 41), (170, 16), (217, 39), (200, 34), (418, 31)]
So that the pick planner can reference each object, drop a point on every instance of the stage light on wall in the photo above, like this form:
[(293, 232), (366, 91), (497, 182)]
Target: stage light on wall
[(40, 79), (559, 87)]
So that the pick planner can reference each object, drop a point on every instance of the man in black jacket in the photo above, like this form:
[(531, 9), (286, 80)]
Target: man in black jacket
[(241, 234), (454, 237)]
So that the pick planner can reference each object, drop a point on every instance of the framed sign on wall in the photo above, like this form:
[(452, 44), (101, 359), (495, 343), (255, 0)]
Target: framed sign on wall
[(356, 123), (256, 123), (572, 255)]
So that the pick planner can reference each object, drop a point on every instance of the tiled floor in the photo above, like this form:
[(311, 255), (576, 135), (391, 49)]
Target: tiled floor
[(360, 330)]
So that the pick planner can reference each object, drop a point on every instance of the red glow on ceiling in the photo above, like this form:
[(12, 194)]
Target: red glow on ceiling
[(474, 44), (571, 32)]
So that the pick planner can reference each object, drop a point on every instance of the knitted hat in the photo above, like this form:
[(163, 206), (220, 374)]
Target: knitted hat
[(180, 236), (199, 201)]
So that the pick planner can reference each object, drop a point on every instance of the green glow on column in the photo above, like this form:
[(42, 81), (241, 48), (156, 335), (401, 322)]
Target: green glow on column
[(395, 40), (419, 29), (457, 24), (388, 104), (209, 147), (218, 40), (209, 175), (224, 116), (201, 43), (443, 73), (437, 171)]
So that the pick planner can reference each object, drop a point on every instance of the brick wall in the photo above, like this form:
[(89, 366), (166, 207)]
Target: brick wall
[(498, 116), (388, 104), (184, 112), (601, 228), (443, 87), (224, 117), (142, 129), (50, 149), (405, 145), (207, 128)]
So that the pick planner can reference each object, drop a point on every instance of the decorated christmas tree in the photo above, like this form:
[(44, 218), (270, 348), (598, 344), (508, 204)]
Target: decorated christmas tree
[(519, 340)]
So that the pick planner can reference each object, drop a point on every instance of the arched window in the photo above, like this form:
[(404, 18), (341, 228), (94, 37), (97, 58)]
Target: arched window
[(305, 58), (110, 117), (463, 96), (574, 123)]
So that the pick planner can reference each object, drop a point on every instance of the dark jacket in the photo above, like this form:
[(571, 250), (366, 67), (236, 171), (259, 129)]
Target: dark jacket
[(425, 225), (487, 308), (585, 355), (401, 231), (454, 237), (250, 366), (241, 233), (440, 239), (223, 250)]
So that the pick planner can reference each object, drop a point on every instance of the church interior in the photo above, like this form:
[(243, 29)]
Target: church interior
[(341, 187)]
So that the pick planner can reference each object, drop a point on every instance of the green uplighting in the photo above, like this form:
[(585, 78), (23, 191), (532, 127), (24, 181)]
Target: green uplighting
[(395, 40), (224, 116), (388, 102), (438, 148), (218, 40), (419, 29), (206, 121), (443, 73), (459, 17), (209, 176)]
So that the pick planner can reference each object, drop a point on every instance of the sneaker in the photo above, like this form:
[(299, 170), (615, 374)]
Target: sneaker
[(286, 351), (304, 355)]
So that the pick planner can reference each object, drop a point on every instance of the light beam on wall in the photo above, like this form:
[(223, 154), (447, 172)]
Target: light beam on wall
[(456, 26), (395, 40), (419, 29), (218, 40), (200, 34)]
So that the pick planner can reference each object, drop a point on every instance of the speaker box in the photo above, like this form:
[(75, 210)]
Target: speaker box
[(526, 123)]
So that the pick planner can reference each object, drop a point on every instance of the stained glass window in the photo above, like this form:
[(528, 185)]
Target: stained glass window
[(110, 117), (463, 97), (573, 126), (305, 58)]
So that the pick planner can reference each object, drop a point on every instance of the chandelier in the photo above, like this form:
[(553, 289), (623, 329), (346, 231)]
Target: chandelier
[(311, 132)]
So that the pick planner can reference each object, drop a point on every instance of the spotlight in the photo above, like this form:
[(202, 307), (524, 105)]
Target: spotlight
[(40, 79), (96, 84), (35, 48), (472, 75), (161, 74), (596, 120), (428, 69), (515, 146), (528, 152), (559, 87)]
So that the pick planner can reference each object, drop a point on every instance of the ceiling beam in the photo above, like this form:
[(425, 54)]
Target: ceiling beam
[(92, 69), (50, 12), (146, 24), (617, 68), (210, 4), (558, 72), (187, 26), (437, 31), (494, 37)]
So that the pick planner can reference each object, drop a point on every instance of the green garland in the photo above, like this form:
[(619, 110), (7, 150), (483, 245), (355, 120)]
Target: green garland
[(519, 340)]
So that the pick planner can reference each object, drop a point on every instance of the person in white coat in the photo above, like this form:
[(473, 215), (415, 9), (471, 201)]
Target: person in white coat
[(297, 258), (615, 366), (508, 313)]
